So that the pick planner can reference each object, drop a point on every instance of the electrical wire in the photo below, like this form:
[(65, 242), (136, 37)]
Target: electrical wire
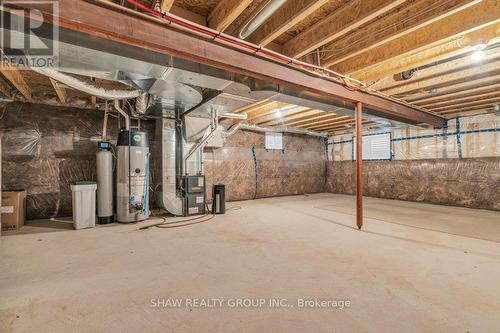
[(255, 49), (176, 225), (355, 85), (164, 222)]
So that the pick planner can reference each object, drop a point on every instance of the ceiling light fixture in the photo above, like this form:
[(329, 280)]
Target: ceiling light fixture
[(478, 53), (285, 108), (496, 109)]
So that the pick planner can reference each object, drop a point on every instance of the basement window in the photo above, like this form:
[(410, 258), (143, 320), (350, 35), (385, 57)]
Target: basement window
[(274, 140), (375, 147)]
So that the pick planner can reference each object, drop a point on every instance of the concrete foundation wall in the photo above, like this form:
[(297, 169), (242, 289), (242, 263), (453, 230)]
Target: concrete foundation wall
[(473, 183), (46, 149), (300, 168)]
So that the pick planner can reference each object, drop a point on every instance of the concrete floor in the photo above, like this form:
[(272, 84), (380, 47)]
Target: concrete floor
[(408, 270)]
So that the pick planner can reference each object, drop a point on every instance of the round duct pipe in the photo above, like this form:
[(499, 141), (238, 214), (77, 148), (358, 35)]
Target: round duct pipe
[(260, 17)]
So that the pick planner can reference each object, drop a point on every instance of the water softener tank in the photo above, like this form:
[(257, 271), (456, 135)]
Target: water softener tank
[(104, 171), (132, 176)]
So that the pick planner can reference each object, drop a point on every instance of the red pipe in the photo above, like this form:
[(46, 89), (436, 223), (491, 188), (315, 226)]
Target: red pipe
[(359, 164), (242, 44)]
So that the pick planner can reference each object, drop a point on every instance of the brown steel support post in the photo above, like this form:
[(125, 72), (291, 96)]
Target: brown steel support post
[(359, 165)]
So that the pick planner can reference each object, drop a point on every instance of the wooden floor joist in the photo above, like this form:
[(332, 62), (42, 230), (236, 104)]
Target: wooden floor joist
[(410, 18), (495, 86), (60, 92), (5, 88), (437, 70), (462, 86), (15, 77), (455, 105), (131, 28), (473, 18), (467, 113), (460, 76), (428, 54), (279, 117), (473, 96), (479, 106), (226, 12), (337, 24), (166, 5), (291, 13), (291, 117), (328, 124)]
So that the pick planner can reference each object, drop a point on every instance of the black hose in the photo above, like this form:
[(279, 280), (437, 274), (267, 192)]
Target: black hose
[(173, 224)]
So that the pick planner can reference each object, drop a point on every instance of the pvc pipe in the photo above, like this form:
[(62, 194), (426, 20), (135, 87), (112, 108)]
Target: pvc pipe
[(105, 122), (124, 114), (271, 7), (285, 129), (242, 116)]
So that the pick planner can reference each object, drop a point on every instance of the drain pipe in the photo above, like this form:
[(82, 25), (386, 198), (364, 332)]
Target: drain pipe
[(105, 122), (241, 116), (284, 129), (123, 113)]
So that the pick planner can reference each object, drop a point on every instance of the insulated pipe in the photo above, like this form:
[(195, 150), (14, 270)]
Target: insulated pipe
[(87, 87), (141, 103), (242, 116), (269, 9), (285, 129), (124, 114)]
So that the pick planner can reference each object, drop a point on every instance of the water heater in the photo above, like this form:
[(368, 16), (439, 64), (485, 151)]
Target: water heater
[(132, 176)]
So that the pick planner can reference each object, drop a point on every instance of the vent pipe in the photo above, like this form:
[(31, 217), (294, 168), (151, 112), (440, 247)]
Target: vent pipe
[(260, 17)]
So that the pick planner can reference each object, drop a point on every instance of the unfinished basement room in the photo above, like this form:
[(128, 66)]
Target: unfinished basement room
[(250, 166)]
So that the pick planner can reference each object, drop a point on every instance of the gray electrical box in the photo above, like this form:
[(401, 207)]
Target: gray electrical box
[(194, 184), (195, 204)]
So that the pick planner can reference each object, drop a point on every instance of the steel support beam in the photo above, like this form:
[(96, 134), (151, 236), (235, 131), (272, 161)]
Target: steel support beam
[(359, 164), (132, 28)]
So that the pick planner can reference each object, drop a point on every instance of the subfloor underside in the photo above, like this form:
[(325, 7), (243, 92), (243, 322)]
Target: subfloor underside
[(413, 268)]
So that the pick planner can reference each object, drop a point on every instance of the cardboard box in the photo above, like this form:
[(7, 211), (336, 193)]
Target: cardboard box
[(13, 210)]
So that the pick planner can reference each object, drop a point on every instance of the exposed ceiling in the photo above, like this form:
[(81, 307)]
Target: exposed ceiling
[(448, 50)]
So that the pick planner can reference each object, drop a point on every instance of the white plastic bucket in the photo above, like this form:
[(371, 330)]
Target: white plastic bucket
[(84, 205)]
